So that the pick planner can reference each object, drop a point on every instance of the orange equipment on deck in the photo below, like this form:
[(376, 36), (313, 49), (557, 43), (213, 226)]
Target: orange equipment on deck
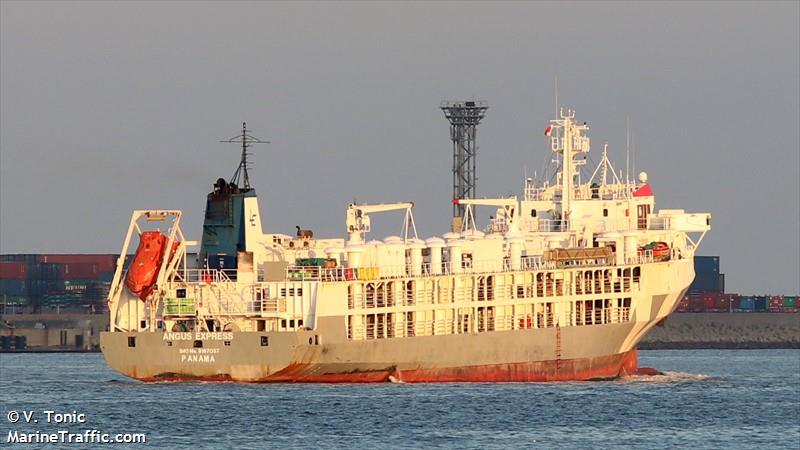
[(661, 250), (143, 272)]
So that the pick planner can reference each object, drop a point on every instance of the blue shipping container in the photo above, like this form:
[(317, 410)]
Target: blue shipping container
[(707, 282), (760, 304), (746, 303), (106, 277), (706, 264), (13, 288), (26, 258)]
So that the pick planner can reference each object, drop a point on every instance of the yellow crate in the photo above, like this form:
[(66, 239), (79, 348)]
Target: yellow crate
[(368, 273)]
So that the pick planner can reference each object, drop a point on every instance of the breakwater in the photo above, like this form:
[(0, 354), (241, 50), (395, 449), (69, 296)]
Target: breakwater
[(725, 330)]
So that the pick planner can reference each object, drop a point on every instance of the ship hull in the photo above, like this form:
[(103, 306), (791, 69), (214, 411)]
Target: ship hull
[(583, 369), (552, 354)]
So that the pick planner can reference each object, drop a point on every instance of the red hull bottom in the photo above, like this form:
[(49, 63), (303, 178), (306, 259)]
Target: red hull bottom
[(598, 368)]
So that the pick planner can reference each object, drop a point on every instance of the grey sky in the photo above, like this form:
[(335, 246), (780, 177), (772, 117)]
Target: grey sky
[(107, 107)]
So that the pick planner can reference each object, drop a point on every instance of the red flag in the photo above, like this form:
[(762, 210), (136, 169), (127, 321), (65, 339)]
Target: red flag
[(548, 130)]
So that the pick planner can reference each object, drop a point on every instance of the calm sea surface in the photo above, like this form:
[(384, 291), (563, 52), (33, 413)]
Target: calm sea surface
[(707, 399)]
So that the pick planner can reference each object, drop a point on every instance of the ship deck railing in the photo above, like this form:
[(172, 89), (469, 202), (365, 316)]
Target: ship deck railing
[(528, 263), (339, 273), (205, 275), (486, 322), (614, 191)]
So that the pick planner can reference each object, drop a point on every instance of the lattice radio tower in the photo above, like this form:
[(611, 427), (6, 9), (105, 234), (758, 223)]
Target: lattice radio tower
[(464, 117), (247, 140)]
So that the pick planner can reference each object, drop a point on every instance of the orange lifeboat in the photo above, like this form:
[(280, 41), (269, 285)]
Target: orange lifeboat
[(661, 251), (143, 272)]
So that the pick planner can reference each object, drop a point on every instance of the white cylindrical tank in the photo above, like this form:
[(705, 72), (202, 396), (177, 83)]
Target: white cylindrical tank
[(451, 236), (372, 254), (354, 254), (435, 245), (393, 259), (415, 257), (515, 252), (631, 246), (473, 234), (455, 248)]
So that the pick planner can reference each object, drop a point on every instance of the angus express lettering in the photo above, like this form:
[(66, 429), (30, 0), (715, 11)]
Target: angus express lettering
[(198, 336)]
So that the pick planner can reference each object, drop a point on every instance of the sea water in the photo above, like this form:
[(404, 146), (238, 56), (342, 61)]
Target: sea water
[(705, 399)]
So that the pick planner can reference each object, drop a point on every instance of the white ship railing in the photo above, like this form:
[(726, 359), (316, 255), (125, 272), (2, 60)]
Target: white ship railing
[(485, 322), (640, 258), (616, 191), (658, 223), (205, 275), (552, 225), (316, 273), (267, 306)]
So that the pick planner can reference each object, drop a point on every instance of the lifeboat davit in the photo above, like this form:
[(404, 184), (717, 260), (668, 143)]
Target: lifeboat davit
[(143, 271)]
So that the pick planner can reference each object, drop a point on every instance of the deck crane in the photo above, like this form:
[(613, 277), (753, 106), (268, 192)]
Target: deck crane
[(358, 223), (510, 207)]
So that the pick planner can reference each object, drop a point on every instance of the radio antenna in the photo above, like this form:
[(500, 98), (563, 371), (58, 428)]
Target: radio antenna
[(247, 140), (628, 150)]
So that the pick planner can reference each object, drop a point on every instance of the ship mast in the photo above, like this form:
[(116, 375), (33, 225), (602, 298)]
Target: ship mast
[(247, 140), (568, 140)]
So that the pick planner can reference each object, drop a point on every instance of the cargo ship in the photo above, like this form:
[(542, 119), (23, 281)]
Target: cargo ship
[(561, 284)]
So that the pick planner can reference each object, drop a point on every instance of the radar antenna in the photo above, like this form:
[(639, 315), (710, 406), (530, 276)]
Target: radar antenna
[(247, 140)]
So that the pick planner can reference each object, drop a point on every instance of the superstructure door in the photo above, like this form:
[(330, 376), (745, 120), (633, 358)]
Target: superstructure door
[(643, 210)]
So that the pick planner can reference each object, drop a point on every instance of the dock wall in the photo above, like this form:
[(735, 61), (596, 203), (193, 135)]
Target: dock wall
[(725, 330)]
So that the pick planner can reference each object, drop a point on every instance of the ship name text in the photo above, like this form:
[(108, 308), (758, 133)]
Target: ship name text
[(198, 336)]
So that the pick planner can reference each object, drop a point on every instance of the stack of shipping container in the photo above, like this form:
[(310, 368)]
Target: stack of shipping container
[(36, 282), (707, 294)]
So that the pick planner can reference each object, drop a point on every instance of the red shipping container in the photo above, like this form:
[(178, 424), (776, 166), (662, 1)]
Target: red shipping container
[(104, 262), (696, 304), (14, 270), (726, 302), (775, 302), (80, 271)]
